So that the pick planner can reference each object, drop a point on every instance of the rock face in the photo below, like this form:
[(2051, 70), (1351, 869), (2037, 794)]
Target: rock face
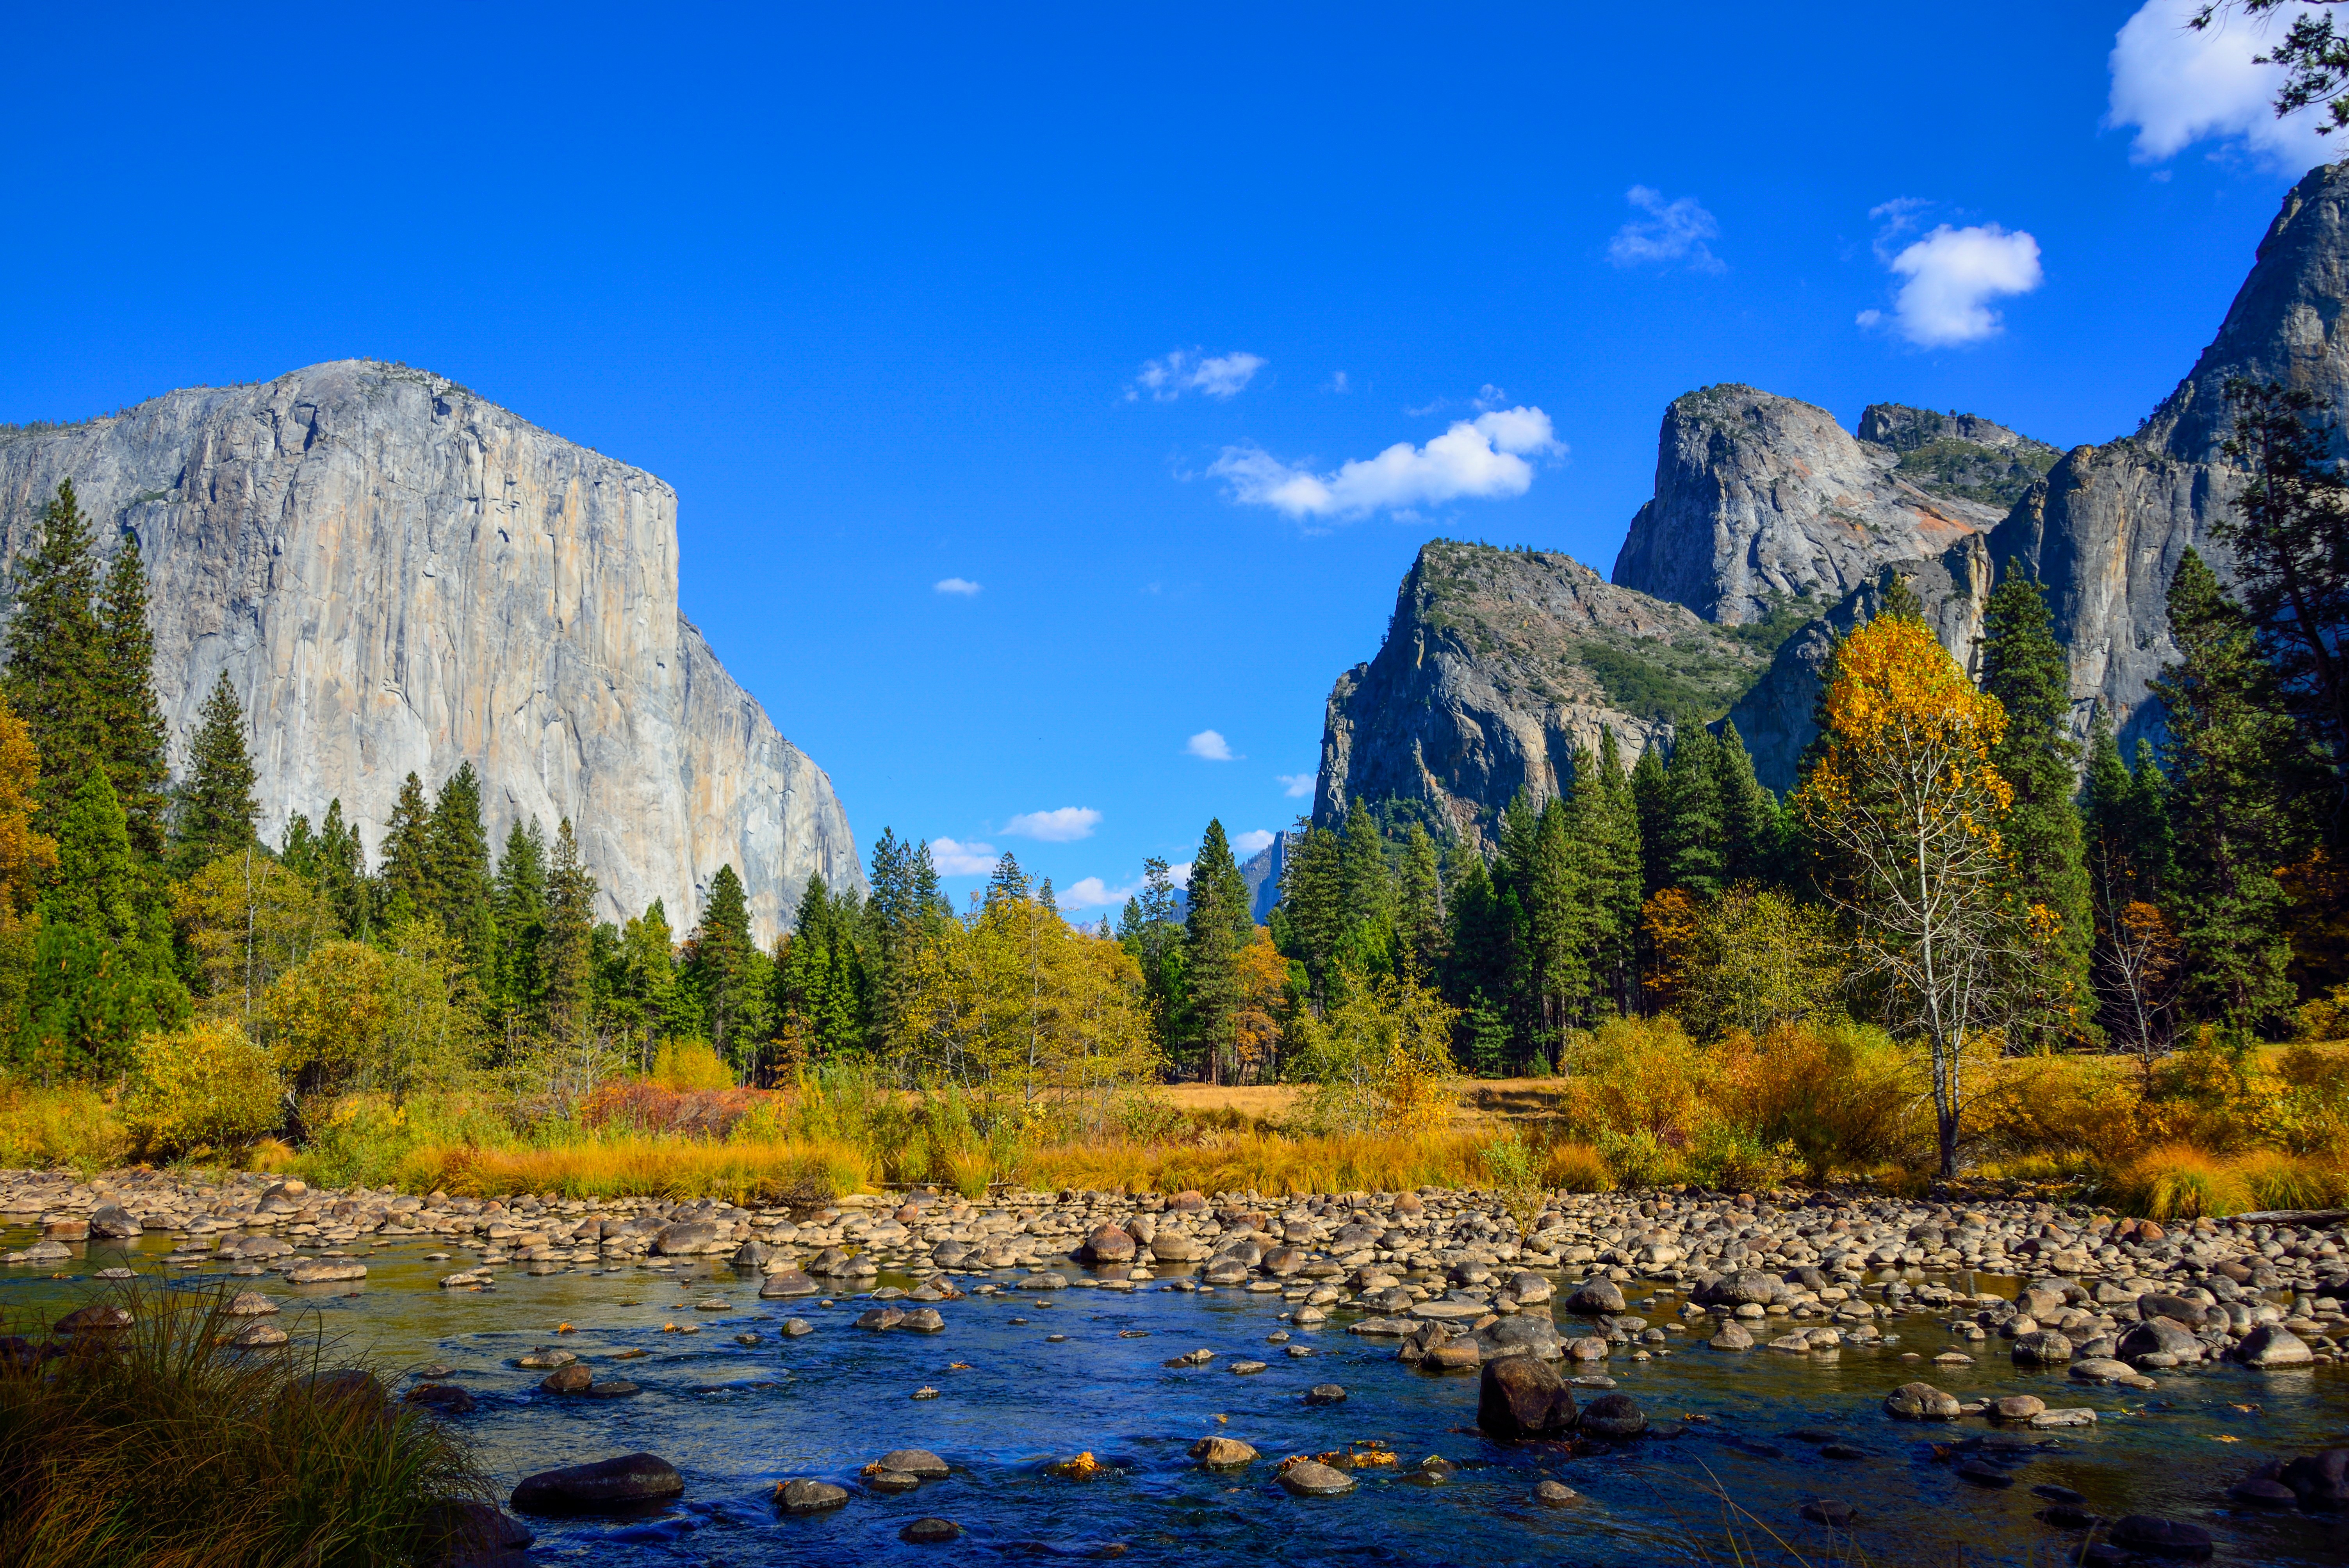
[(1763, 502), (1498, 664), (2108, 528), (398, 574)]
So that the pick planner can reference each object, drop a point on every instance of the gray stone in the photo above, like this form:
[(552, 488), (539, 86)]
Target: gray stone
[(1921, 1402), (1223, 1453), (805, 1496), (1523, 1397), (600, 1487), (1310, 1477), (2273, 1345)]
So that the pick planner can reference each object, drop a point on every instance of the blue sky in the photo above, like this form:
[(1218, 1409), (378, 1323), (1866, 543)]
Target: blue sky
[(1008, 366)]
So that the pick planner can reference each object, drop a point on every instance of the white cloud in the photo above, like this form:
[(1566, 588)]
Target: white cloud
[(1296, 786), (1212, 746), (1483, 459), (1092, 892), (1219, 375), (1671, 231), (1338, 382), (962, 585), (1065, 826), (1180, 875), (2177, 86), (957, 860), (1248, 843), (1953, 275)]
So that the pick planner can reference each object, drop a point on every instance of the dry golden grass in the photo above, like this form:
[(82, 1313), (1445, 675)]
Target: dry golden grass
[(1276, 1165), (790, 1169)]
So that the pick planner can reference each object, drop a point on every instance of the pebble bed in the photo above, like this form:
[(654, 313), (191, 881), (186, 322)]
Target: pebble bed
[(1235, 1378)]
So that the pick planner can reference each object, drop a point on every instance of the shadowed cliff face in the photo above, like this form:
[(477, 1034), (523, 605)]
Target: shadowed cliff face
[(1496, 664), (399, 576)]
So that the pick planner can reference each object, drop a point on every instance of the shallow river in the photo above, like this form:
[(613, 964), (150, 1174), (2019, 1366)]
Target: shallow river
[(737, 1419)]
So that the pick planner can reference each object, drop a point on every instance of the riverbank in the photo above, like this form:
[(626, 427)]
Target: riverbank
[(755, 1345)]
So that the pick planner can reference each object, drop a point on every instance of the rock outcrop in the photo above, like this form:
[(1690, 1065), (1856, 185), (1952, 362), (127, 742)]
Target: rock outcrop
[(1496, 664), (1765, 506), (398, 574), (2107, 530)]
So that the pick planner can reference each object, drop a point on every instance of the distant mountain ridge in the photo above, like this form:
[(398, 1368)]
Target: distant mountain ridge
[(1772, 524)]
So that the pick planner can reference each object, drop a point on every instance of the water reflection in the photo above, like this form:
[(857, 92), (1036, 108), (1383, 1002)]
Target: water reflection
[(1011, 1398)]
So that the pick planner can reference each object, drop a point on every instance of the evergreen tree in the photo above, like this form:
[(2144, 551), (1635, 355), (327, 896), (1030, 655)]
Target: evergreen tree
[(2024, 666), (1650, 800), (566, 952), (341, 873), (2125, 831), (2289, 534), (1556, 895), (727, 973), (217, 809), (1612, 820), (1694, 833), (404, 872), (1150, 931), (1214, 932), (125, 692), (55, 648), (648, 984), (2232, 764), (1008, 880), (1312, 925), (1420, 903), (457, 867), (1753, 831), (1476, 978), (520, 925), (102, 971)]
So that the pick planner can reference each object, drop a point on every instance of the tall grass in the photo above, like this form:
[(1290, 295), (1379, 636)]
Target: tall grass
[(790, 1170), (2180, 1182), (154, 1446)]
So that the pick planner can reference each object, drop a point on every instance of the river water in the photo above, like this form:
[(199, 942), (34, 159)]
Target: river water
[(738, 1419)]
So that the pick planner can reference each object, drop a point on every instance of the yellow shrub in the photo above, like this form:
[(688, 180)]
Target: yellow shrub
[(2180, 1182), (69, 1126), (2051, 1104), (2281, 1180), (1575, 1167), (688, 1065), (202, 1086), (1632, 1076)]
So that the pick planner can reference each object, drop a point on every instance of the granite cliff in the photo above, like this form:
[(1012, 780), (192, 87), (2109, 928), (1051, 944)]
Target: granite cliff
[(399, 575), (2106, 528), (1496, 664)]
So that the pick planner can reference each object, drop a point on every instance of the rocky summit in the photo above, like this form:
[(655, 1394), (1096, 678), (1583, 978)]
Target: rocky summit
[(1772, 531), (397, 574)]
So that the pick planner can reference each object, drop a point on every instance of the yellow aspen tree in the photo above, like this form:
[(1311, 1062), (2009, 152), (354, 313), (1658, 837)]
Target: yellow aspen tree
[(1902, 805)]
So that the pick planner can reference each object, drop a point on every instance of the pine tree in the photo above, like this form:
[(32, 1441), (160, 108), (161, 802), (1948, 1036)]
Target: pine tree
[(2124, 832), (1313, 907), (2289, 534), (566, 951), (1420, 903), (1558, 896), (1612, 820), (2024, 668), (99, 886), (1008, 880), (1650, 800), (1154, 936), (404, 854), (648, 966), (2232, 764), (341, 873), (1695, 847), (1212, 939), (1753, 831), (56, 647), (723, 968), (124, 680), (520, 926), (457, 867), (217, 809)]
